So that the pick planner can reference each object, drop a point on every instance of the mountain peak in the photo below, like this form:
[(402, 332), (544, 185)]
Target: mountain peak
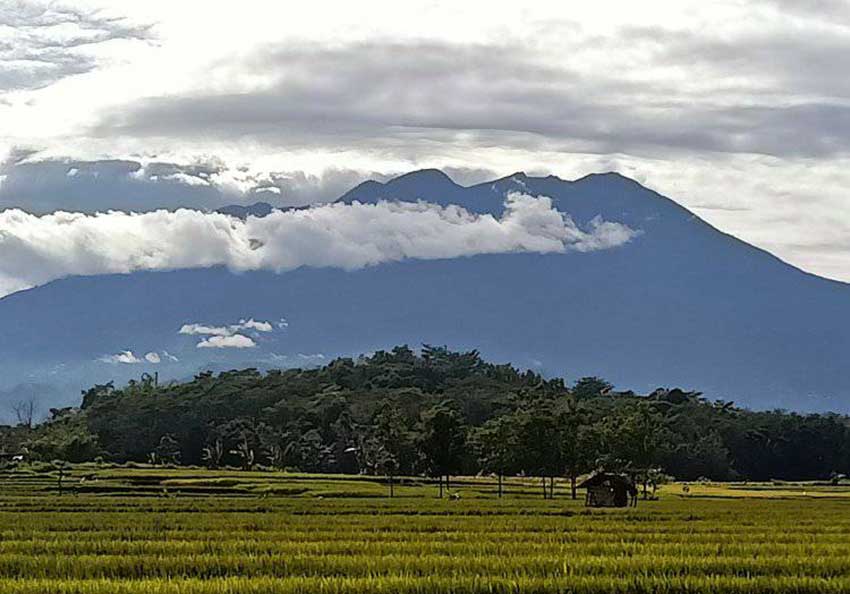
[(258, 209), (423, 176)]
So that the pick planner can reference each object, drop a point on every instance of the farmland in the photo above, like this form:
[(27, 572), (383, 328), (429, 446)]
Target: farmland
[(130, 530)]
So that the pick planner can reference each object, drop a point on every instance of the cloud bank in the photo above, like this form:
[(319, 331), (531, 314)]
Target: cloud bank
[(38, 249)]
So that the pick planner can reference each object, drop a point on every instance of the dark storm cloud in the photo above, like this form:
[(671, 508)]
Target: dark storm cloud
[(46, 41), (43, 186), (403, 98)]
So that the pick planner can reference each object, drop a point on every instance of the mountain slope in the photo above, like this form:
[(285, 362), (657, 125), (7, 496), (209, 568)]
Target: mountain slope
[(682, 304)]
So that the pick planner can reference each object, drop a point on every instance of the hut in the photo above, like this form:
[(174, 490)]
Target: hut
[(609, 490)]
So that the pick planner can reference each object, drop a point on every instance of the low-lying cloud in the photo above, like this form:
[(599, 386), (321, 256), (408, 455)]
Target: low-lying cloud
[(129, 358), (232, 336), (38, 249), (237, 341)]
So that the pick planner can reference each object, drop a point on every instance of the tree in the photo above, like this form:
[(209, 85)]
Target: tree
[(245, 453), (212, 454), (167, 451), (495, 445), (539, 440), (62, 470), (390, 440), (442, 440), (579, 443), (591, 387), (25, 411), (634, 438)]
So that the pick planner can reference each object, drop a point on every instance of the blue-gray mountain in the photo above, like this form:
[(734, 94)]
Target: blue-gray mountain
[(680, 305)]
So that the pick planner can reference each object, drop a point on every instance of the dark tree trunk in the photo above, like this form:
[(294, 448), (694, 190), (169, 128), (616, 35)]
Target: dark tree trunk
[(391, 485), (573, 484), (545, 493), (440, 480), (500, 485)]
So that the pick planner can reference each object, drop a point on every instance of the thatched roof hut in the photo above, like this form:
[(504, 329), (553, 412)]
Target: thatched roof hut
[(605, 489)]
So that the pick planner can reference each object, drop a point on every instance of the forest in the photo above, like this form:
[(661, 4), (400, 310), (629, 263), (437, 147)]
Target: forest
[(430, 412)]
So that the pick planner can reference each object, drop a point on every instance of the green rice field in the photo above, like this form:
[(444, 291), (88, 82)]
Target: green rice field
[(188, 531)]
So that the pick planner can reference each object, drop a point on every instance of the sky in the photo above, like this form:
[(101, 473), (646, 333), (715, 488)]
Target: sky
[(738, 110)]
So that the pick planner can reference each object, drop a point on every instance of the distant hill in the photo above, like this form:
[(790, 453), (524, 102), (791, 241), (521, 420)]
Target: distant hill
[(682, 304), (258, 209)]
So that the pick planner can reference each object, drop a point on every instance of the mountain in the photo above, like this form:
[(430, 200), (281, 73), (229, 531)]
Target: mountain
[(258, 209), (682, 304)]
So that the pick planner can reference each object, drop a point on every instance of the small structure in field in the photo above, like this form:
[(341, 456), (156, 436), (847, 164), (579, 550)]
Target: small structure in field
[(609, 490)]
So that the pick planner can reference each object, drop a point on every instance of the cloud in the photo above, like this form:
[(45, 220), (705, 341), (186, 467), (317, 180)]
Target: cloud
[(124, 357), (129, 358), (204, 330), (235, 341), (297, 360), (349, 236), (42, 186), (43, 42), (777, 92), (227, 337), (200, 329), (254, 325)]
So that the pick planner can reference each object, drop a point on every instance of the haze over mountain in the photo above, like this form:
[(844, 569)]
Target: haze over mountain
[(679, 304)]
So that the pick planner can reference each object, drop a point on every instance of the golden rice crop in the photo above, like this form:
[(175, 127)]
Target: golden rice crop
[(132, 542)]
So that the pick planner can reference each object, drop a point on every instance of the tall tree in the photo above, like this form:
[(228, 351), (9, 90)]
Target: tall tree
[(539, 441), (442, 440), (579, 443), (390, 441), (496, 447), (25, 411)]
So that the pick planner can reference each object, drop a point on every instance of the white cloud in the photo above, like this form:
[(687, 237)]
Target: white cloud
[(202, 330), (205, 330), (37, 249), (254, 325), (227, 337), (128, 357), (124, 357), (298, 360), (235, 341)]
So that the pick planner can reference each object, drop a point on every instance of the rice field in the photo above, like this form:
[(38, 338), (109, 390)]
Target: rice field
[(148, 530)]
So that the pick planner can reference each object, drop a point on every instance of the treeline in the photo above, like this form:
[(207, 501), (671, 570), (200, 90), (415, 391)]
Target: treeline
[(435, 412)]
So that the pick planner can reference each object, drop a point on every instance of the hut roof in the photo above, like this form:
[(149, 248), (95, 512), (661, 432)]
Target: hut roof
[(599, 478)]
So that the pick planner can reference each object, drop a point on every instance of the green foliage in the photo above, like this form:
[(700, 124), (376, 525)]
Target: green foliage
[(442, 439), (400, 412)]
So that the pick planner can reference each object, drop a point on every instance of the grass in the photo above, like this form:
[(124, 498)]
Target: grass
[(194, 531)]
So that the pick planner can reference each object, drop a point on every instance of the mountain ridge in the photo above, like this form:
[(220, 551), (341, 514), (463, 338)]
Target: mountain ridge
[(683, 304)]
